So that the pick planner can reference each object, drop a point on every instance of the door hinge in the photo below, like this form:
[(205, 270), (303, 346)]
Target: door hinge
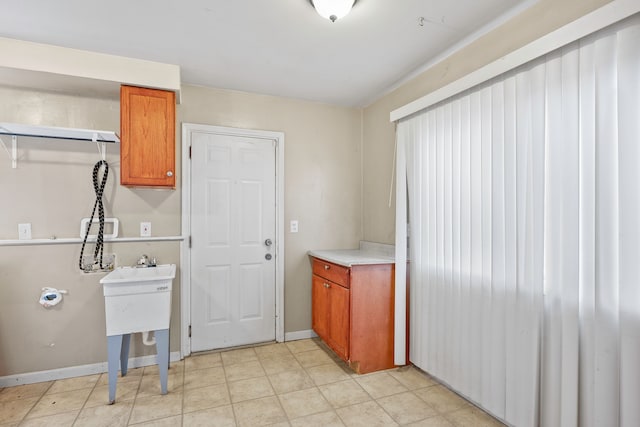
[(189, 331), (189, 242), (190, 151)]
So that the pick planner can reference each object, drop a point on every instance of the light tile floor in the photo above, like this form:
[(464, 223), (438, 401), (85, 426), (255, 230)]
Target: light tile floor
[(300, 383)]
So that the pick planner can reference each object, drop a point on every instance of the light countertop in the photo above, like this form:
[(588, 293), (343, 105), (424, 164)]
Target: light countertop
[(369, 253)]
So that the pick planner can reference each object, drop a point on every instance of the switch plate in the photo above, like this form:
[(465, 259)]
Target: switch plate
[(293, 226), (145, 229), (24, 231)]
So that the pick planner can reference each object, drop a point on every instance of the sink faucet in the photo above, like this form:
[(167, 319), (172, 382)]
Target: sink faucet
[(144, 261)]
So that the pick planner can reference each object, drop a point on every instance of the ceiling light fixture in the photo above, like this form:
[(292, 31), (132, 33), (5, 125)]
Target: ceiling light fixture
[(333, 9)]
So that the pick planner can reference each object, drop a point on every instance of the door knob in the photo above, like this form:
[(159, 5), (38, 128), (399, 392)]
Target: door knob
[(268, 242)]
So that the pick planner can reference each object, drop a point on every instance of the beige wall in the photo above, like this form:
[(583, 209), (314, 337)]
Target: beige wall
[(51, 189), (378, 133), (322, 175)]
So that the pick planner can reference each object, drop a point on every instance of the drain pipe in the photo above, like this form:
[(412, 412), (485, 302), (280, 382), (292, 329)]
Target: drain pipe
[(146, 340)]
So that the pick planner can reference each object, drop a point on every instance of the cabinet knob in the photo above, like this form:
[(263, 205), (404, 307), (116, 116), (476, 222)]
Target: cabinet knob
[(326, 267), (169, 173), (326, 285)]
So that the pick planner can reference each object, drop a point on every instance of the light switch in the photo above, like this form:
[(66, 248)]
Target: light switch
[(293, 227), (24, 231)]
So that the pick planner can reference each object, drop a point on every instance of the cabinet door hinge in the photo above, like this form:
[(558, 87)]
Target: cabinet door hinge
[(189, 242), (189, 331), (190, 151)]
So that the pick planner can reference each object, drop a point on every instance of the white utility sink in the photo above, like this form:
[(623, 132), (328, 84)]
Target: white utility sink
[(138, 299)]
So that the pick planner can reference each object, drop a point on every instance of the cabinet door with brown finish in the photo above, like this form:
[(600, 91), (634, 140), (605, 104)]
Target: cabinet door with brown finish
[(339, 320), (320, 307), (147, 135)]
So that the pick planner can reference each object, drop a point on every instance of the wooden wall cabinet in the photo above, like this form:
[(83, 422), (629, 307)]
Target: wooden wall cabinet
[(353, 312), (147, 137)]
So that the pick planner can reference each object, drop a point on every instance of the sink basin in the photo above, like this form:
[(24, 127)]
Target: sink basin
[(138, 299), (136, 275)]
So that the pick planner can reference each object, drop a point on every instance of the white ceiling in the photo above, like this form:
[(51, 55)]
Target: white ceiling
[(275, 47)]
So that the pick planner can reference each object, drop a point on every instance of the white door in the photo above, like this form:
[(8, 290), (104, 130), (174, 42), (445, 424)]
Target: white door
[(233, 225)]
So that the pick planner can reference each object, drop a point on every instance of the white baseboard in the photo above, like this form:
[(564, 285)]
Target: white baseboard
[(299, 335), (77, 371), (98, 368)]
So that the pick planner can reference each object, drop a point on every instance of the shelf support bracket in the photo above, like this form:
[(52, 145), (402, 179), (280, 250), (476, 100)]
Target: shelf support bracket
[(14, 150), (102, 147)]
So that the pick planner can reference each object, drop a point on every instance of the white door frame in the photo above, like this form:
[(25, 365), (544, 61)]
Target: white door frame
[(185, 258)]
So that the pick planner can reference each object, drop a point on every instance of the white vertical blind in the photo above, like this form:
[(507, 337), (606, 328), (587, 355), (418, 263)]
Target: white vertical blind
[(591, 361), (628, 120), (475, 209), (524, 211)]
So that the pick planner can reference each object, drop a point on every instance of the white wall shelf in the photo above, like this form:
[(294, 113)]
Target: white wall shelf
[(18, 130), (77, 240)]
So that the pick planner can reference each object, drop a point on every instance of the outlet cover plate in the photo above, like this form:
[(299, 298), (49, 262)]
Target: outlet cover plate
[(24, 231), (145, 229)]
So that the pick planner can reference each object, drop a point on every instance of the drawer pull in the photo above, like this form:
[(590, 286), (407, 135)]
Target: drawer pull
[(326, 267), (326, 285)]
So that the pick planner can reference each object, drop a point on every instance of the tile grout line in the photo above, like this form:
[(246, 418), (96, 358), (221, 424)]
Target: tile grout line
[(85, 400), (135, 397), (184, 390), (275, 393), (24, 417), (375, 400), (226, 383), (334, 362), (29, 410)]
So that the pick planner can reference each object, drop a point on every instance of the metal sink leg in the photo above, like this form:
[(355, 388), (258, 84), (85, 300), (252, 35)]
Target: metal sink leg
[(117, 354), (162, 348)]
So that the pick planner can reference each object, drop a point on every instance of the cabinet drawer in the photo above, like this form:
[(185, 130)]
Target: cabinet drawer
[(330, 271)]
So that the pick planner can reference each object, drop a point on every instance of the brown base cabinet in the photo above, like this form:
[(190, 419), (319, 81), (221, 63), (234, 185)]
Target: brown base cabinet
[(353, 312)]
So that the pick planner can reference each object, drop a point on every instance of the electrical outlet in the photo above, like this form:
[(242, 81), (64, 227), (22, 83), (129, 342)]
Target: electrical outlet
[(145, 229), (24, 231), (293, 226)]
